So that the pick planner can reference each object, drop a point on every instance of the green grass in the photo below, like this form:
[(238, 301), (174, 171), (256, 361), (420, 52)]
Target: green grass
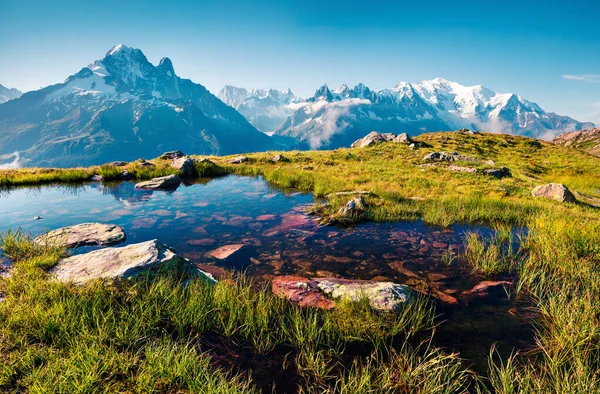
[(47, 327), (149, 334), (38, 176)]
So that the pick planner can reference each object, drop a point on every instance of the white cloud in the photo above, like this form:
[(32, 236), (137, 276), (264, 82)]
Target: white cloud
[(329, 122), (593, 78), (13, 164)]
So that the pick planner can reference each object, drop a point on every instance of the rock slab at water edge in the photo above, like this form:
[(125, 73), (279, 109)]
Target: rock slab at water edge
[(320, 292), (115, 262), (83, 234), (169, 182)]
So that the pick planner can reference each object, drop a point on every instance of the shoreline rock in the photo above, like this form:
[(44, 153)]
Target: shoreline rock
[(321, 292), (170, 182), (185, 166), (115, 262), (84, 234)]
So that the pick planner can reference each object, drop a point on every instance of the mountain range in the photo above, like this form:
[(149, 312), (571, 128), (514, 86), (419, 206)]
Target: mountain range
[(264, 109), (333, 118), (121, 107), (8, 94)]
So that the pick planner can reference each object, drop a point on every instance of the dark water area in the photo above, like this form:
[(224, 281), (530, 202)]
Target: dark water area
[(276, 237)]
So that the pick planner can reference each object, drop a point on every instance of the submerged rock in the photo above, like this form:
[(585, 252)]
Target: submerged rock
[(185, 166), (482, 289), (301, 291), (83, 234), (238, 160), (169, 182), (386, 296), (115, 262), (172, 155), (225, 252), (554, 191)]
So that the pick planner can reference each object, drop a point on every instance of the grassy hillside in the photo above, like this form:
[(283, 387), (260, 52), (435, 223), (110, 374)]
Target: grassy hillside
[(153, 335)]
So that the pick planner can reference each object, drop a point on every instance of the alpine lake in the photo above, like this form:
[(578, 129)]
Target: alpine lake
[(274, 236)]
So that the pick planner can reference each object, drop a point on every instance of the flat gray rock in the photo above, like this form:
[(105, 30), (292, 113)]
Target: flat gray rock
[(83, 234), (169, 182), (116, 262)]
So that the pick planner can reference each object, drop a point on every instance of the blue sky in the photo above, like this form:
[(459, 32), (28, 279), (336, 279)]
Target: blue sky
[(546, 51)]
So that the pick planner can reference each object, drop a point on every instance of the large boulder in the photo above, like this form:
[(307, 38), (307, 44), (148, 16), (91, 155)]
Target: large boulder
[(370, 139), (185, 166), (170, 182), (554, 191), (403, 138), (115, 262), (83, 234)]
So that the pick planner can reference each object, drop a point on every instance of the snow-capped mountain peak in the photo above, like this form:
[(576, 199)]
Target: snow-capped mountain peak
[(122, 107), (323, 93), (436, 104), (264, 109)]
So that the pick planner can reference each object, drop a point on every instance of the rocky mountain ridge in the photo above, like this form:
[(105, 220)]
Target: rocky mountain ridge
[(587, 140), (121, 107)]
